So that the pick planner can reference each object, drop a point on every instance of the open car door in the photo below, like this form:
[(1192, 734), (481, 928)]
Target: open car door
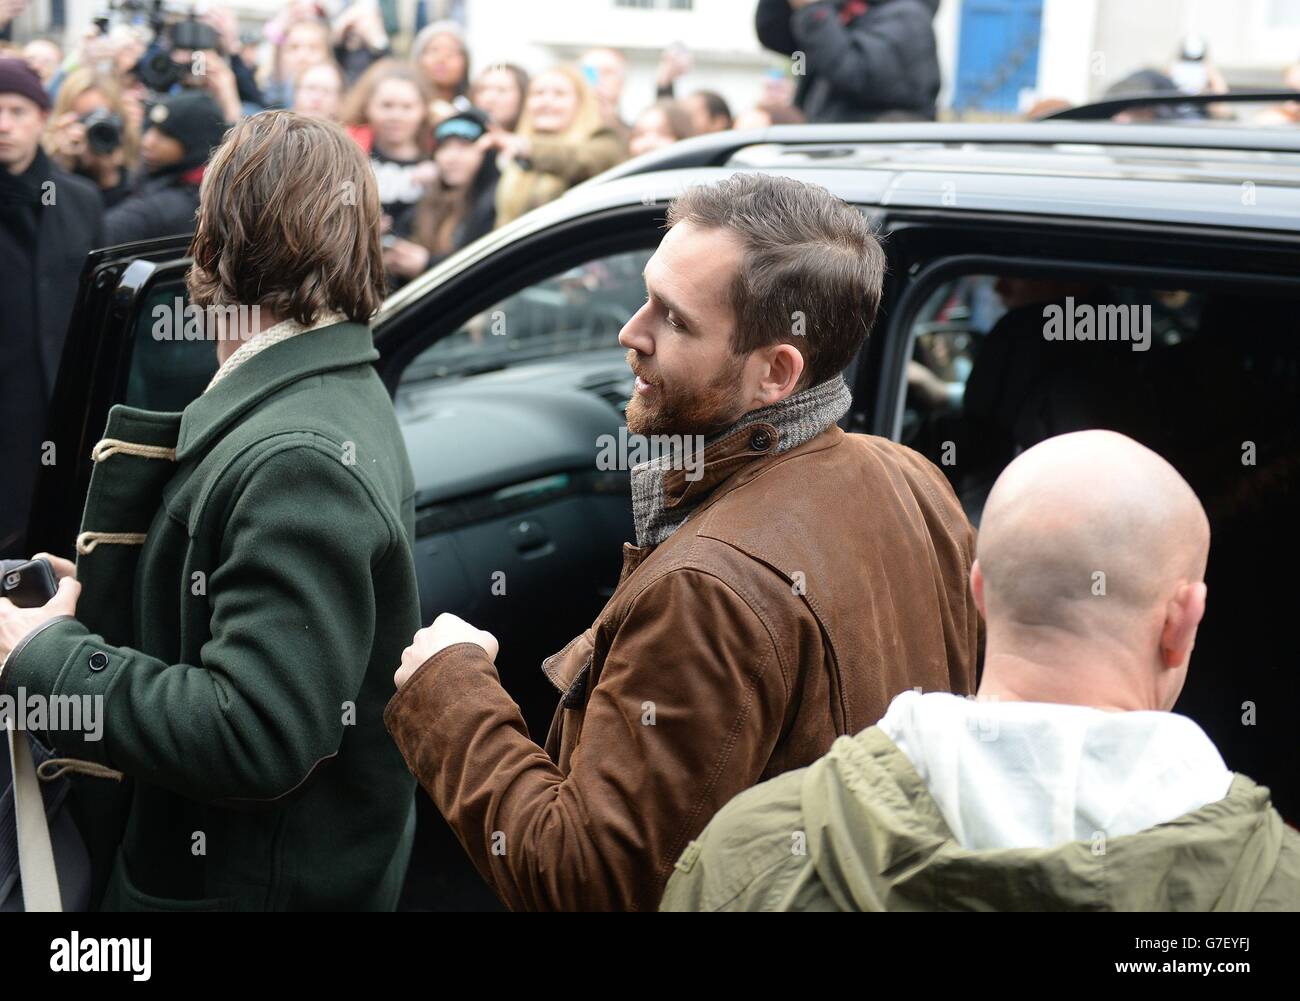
[(105, 363)]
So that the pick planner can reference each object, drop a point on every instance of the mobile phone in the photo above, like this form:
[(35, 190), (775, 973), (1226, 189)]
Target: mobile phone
[(27, 583)]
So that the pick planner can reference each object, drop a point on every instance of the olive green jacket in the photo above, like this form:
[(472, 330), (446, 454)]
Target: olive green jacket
[(245, 603), (859, 831)]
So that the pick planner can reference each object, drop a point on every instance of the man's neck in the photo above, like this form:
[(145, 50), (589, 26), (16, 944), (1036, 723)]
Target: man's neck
[(21, 166), (797, 419), (260, 318), (1106, 680)]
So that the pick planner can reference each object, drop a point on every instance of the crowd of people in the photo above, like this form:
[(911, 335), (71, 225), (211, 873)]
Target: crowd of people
[(122, 125), (457, 149)]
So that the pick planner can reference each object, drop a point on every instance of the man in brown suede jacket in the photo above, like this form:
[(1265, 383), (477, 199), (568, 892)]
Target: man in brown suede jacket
[(785, 585)]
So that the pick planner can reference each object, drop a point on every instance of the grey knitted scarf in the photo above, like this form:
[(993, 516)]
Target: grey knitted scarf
[(798, 418)]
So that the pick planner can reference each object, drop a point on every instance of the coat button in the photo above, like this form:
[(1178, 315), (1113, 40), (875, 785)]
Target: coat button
[(98, 661), (759, 440)]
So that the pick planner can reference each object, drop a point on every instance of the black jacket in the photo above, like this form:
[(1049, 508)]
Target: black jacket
[(162, 204), (880, 66), (49, 221)]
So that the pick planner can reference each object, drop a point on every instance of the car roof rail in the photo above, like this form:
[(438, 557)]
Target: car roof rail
[(717, 148), (1101, 110)]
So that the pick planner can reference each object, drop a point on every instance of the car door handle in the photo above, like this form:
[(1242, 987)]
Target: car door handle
[(530, 538)]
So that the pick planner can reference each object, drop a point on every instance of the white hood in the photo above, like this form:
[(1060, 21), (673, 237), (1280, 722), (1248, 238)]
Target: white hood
[(1038, 775)]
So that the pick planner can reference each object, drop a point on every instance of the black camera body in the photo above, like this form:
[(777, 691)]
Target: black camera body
[(103, 131)]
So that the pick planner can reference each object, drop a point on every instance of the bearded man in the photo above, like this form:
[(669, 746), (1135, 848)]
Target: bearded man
[(782, 590)]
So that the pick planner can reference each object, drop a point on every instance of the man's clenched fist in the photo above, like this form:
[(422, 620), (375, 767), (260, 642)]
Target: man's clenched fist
[(447, 630)]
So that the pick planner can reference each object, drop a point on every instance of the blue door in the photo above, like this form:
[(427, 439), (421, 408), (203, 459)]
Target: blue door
[(997, 54)]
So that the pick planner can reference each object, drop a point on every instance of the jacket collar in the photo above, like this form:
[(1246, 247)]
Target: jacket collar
[(748, 461), (342, 345), (726, 468), (733, 451), (665, 491)]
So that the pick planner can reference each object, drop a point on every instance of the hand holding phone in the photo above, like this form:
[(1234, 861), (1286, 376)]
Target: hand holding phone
[(27, 583)]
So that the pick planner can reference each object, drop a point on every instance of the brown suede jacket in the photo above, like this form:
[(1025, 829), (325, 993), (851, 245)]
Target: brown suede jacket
[(808, 589)]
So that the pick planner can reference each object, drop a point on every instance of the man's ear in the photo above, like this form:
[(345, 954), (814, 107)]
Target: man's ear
[(977, 587), (782, 369), (1183, 614)]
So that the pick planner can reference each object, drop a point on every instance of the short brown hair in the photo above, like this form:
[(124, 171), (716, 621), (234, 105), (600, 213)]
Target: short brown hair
[(811, 272), (289, 220)]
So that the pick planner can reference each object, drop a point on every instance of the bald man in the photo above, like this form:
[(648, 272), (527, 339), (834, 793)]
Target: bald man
[(1065, 783)]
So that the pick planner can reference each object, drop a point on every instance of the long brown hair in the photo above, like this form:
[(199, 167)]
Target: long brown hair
[(358, 99), (288, 220)]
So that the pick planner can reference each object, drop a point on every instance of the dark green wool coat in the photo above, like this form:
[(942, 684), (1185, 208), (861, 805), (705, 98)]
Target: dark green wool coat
[(245, 646)]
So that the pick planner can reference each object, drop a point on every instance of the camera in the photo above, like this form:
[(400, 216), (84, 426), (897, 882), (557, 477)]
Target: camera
[(173, 30), (156, 69), (103, 131)]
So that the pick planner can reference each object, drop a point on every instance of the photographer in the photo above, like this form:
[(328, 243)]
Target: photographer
[(193, 53), (862, 62), (91, 135)]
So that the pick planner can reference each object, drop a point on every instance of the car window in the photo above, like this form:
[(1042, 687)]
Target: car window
[(1000, 362), (1209, 378), (580, 309), (167, 370)]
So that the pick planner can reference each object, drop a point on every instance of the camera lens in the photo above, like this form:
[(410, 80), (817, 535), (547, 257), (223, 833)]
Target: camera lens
[(103, 131), (157, 71)]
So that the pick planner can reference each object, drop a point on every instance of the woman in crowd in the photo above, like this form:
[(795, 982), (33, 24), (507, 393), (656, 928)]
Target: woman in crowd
[(499, 92), (461, 205), (660, 125), (306, 43), (387, 112), (560, 142), (440, 52), (318, 91), (92, 134)]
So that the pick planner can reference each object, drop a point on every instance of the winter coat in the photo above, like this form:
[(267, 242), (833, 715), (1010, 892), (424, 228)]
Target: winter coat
[(861, 62)]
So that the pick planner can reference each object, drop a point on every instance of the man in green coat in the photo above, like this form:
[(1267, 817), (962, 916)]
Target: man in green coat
[(1066, 784), (245, 571)]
